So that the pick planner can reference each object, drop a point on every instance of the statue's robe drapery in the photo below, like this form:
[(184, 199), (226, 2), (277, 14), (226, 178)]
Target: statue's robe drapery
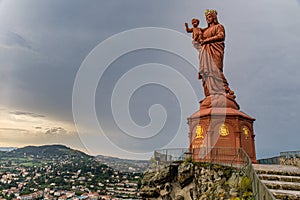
[(211, 61)]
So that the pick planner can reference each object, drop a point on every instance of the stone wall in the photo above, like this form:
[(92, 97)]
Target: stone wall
[(290, 161), (195, 181)]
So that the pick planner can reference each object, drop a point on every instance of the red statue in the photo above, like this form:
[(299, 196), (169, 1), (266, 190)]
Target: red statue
[(210, 44), (197, 32), (218, 125)]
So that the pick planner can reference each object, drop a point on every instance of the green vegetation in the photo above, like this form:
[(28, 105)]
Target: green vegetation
[(246, 187)]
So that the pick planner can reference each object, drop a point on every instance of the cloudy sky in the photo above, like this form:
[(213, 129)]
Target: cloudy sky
[(141, 98)]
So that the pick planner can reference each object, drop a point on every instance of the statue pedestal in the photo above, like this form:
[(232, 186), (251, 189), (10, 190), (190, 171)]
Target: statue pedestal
[(217, 133)]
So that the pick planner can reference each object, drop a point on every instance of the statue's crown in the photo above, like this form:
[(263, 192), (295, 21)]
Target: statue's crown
[(207, 12)]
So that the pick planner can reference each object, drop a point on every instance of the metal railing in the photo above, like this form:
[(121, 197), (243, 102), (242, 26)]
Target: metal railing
[(165, 156), (284, 158), (260, 191), (214, 155), (234, 157), (270, 161), (290, 154)]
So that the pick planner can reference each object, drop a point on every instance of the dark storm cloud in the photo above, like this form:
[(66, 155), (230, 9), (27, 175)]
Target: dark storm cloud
[(27, 114), (63, 33), (55, 131)]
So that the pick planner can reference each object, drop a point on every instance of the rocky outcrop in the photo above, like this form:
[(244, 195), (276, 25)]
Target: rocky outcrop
[(195, 181)]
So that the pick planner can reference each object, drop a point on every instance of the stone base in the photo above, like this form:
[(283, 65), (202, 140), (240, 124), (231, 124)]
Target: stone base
[(222, 128)]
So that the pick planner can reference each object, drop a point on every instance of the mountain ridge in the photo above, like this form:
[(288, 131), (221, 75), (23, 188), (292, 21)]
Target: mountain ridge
[(55, 150), (61, 151)]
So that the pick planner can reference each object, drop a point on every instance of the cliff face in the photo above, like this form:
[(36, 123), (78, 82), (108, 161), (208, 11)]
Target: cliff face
[(195, 181)]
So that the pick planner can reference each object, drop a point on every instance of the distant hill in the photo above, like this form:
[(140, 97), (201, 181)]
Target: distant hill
[(46, 151), (58, 152), (7, 148), (124, 165)]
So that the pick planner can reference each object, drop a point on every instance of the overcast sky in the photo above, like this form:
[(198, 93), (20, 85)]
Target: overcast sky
[(43, 46)]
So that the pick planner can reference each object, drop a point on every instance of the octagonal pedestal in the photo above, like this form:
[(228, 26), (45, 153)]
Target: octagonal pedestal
[(219, 132)]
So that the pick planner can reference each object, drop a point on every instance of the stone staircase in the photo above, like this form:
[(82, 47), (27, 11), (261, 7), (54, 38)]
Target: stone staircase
[(282, 180)]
